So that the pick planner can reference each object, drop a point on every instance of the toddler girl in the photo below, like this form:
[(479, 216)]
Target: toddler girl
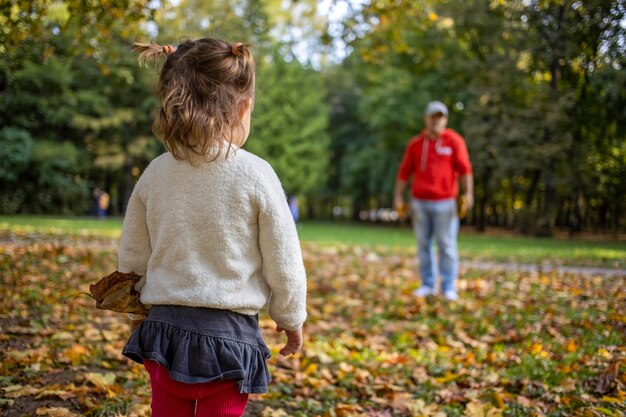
[(209, 229)]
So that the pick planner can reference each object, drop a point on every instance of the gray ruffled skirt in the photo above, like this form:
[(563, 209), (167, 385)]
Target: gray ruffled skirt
[(203, 345)]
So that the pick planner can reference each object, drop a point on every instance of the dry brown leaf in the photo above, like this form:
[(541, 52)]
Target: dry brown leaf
[(64, 395), (271, 412), (477, 409), (116, 292), (347, 410), (604, 382), (140, 410)]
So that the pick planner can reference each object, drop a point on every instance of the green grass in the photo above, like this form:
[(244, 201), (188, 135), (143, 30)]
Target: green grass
[(607, 253), (111, 227)]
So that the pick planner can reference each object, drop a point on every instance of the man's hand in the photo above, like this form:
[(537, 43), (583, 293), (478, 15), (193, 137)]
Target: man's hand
[(467, 190), (469, 199), (398, 203), (398, 200), (294, 341)]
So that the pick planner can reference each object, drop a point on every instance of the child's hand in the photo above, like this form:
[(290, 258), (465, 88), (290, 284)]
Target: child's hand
[(294, 341)]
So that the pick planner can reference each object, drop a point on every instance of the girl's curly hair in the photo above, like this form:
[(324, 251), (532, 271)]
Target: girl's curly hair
[(202, 82)]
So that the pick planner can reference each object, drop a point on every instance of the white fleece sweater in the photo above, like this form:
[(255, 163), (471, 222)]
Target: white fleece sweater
[(215, 234)]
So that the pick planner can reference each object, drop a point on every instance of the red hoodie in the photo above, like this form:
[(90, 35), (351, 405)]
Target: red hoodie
[(435, 164)]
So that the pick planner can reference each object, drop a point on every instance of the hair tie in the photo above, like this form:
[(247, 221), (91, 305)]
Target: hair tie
[(235, 49), (168, 49)]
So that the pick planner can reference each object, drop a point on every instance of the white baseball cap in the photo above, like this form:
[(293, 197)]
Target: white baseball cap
[(435, 107)]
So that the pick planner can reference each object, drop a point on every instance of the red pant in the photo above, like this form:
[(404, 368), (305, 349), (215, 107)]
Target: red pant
[(172, 398)]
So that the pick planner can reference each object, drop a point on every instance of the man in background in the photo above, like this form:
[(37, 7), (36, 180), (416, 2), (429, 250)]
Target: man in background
[(436, 160)]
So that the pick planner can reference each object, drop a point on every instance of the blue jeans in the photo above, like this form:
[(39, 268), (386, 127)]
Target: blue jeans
[(438, 219)]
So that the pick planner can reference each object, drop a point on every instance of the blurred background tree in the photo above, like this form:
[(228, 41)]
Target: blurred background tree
[(530, 84), (536, 87)]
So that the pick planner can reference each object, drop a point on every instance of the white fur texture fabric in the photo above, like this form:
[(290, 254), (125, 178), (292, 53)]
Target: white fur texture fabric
[(215, 234)]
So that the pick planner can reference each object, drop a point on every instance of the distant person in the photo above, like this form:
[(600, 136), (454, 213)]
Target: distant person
[(95, 198), (209, 229), (103, 204), (436, 160), (294, 208)]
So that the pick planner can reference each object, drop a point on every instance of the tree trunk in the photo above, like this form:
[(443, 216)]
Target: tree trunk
[(482, 204)]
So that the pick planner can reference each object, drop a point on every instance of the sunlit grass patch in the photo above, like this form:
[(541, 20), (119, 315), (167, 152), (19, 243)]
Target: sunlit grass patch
[(342, 236)]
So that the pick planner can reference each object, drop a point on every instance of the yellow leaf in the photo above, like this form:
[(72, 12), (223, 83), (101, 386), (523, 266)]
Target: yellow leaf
[(311, 369), (605, 353), (571, 345), (432, 16), (55, 412), (63, 336), (75, 353), (102, 381), (498, 399), (448, 377), (16, 391), (315, 382)]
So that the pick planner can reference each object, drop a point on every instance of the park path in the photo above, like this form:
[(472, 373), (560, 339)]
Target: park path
[(561, 269)]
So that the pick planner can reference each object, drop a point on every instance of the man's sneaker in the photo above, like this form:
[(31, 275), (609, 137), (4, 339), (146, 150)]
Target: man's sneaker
[(451, 295), (424, 292)]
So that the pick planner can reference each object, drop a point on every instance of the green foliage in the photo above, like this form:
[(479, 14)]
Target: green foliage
[(15, 149), (40, 98), (290, 123), (532, 86), (27, 23), (57, 186), (535, 87), (42, 177), (65, 85), (84, 102)]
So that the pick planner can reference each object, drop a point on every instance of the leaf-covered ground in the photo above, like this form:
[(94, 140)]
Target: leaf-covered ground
[(516, 344)]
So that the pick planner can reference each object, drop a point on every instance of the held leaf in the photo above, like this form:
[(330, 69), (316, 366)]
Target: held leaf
[(116, 292)]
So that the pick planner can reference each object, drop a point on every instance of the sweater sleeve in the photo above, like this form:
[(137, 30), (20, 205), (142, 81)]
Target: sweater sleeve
[(462, 164), (408, 164), (282, 258), (135, 247)]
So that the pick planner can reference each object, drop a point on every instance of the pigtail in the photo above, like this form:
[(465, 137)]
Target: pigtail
[(240, 49), (151, 52), (242, 66)]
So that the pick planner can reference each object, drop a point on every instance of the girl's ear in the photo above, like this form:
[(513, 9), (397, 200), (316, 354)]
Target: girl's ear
[(244, 107)]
